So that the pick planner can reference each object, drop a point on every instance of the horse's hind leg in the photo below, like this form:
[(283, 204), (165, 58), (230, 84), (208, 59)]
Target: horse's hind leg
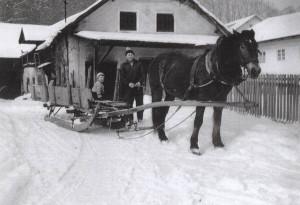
[(216, 136), (159, 115), (157, 118), (197, 125)]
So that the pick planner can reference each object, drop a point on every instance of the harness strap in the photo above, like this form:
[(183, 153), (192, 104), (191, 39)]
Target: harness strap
[(192, 78), (209, 70)]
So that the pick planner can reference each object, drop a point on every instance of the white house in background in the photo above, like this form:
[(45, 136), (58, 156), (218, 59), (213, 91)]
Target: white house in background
[(279, 42), (244, 23)]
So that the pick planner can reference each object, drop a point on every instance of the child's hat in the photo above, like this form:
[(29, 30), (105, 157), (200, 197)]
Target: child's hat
[(100, 74)]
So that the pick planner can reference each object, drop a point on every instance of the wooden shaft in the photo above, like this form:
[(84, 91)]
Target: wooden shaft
[(178, 103)]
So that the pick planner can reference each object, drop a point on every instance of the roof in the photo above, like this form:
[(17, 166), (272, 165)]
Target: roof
[(278, 27), (234, 25), (148, 39), (10, 47), (73, 20), (35, 33)]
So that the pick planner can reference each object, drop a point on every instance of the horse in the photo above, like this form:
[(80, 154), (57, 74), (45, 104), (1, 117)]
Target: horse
[(209, 77)]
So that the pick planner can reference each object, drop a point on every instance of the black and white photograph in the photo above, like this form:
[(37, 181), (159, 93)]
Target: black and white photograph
[(150, 102)]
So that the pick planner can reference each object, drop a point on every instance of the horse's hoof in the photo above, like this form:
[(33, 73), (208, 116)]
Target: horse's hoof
[(219, 145), (164, 142), (163, 139), (195, 151)]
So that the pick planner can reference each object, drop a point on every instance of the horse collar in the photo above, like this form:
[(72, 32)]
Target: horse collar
[(210, 69)]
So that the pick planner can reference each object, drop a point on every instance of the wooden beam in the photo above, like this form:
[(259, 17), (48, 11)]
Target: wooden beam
[(176, 104)]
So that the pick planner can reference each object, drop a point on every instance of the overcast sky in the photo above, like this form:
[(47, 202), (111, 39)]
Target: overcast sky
[(285, 3)]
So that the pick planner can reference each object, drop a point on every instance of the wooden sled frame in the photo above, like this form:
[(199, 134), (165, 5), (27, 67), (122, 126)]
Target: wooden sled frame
[(117, 113)]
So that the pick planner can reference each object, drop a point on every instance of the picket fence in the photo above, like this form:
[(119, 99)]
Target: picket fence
[(278, 97)]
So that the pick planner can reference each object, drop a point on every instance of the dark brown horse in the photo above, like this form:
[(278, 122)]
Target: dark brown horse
[(209, 77)]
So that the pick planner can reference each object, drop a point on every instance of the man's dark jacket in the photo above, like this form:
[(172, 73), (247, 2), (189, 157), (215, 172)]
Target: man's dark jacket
[(131, 74)]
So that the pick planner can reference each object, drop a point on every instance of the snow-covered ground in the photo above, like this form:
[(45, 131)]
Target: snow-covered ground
[(42, 164)]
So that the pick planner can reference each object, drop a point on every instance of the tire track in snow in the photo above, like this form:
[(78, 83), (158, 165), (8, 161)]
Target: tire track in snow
[(46, 136)]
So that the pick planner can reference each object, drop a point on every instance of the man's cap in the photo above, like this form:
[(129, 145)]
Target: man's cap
[(129, 50)]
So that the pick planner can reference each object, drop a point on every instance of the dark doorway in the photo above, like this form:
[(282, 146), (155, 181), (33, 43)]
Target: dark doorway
[(109, 68), (10, 78)]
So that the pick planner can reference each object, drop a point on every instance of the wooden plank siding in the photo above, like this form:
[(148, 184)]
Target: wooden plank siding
[(278, 97)]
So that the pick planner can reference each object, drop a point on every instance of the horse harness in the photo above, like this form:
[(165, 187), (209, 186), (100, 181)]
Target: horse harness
[(209, 67)]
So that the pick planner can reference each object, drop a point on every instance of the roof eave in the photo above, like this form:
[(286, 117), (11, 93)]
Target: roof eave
[(279, 39)]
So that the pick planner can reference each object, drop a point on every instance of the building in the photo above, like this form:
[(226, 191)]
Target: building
[(279, 43), (95, 39), (244, 23), (11, 52)]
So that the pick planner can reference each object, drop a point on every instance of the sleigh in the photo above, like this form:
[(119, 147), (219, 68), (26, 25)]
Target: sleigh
[(80, 110), (75, 109)]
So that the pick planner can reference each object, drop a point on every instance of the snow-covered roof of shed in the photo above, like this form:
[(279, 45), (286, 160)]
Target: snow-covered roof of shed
[(36, 32), (10, 47), (234, 25), (60, 26), (193, 40), (278, 27)]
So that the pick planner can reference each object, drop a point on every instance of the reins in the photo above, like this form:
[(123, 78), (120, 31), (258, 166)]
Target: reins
[(152, 131)]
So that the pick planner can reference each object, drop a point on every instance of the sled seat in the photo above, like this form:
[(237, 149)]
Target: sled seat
[(67, 96)]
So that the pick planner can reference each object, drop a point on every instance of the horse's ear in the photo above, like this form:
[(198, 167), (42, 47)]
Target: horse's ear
[(252, 32)]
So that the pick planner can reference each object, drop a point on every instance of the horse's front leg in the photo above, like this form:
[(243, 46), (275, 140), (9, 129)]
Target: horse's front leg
[(197, 124), (216, 136)]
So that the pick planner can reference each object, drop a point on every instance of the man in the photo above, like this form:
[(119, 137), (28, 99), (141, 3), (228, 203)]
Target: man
[(98, 88), (132, 81)]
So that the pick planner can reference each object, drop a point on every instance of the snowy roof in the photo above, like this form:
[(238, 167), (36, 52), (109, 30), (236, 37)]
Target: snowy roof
[(278, 27), (35, 32), (194, 40), (10, 47), (234, 25), (56, 29), (60, 26)]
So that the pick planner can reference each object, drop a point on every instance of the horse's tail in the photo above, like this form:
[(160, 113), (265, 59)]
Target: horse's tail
[(156, 87)]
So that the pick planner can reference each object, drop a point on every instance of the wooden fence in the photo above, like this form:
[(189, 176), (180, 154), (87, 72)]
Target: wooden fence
[(278, 97)]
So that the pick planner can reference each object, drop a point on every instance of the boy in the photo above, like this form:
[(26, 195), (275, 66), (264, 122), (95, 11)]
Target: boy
[(98, 88)]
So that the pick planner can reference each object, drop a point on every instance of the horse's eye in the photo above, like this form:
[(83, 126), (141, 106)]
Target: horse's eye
[(243, 46)]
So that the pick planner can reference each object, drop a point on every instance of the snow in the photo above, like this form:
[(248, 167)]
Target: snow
[(234, 25), (152, 38), (45, 164), (56, 29), (278, 27), (36, 32), (10, 47)]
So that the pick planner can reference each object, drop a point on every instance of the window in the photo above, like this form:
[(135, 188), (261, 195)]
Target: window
[(165, 23), (281, 54), (262, 57), (127, 21)]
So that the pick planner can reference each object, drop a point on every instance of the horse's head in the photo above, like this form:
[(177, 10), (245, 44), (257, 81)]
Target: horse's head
[(248, 52), (239, 50)]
